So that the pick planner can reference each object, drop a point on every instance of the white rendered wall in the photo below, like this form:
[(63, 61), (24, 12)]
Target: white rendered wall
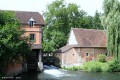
[(72, 40)]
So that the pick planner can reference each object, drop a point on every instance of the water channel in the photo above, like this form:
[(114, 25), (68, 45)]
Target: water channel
[(59, 74)]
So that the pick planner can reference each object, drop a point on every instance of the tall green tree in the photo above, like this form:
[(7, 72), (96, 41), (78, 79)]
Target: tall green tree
[(12, 45), (111, 23), (60, 17)]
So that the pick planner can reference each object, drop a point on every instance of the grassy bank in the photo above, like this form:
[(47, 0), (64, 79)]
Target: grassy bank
[(74, 68), (96, 66)]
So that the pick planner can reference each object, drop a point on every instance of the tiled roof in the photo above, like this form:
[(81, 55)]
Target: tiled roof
[(65, 48), (86, 38), (24, 16), (90, 37)]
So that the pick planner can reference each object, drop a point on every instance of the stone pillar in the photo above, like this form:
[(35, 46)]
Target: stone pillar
[(40, 56), (40, 63), (40, 66)]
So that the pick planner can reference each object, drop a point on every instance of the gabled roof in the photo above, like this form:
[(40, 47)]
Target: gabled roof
[(86, 38), (24, 16), (90, 37)]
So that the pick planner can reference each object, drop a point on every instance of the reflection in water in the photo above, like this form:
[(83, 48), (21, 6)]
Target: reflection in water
[(56, 74)]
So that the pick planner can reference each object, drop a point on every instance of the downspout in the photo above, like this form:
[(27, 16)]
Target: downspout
[(93, 54)]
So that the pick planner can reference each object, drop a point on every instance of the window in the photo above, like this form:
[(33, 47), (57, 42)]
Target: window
[(32, 37), (31, 22), (87, 54)]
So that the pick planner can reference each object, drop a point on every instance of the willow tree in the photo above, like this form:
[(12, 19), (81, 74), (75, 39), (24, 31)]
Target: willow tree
[(111, 23)]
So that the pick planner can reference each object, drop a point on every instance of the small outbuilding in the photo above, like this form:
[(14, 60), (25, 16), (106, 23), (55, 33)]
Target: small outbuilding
[(83, 45)]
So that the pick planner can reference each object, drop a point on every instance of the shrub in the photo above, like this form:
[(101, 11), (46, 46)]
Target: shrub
[(104, 66), (87, 65), (95, 68), (101, 58), (114, 66), (92, 66)]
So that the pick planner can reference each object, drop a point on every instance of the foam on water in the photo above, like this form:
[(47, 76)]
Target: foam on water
[(54, 72)]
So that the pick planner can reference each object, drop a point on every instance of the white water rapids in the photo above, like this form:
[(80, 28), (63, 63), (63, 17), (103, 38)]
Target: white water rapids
[(54, 72)]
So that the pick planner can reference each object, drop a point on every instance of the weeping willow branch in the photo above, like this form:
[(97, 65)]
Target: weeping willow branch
[(111, 22)]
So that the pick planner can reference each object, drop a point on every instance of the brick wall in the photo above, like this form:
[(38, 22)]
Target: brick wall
[(68, 58), (76, 56), (14, 68), (92, 53), (33, 30)]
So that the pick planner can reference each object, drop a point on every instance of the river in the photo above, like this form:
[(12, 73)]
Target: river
[(59, 74)]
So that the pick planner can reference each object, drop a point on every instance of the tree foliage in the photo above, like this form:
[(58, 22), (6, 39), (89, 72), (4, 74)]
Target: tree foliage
[(12, 46), (97, 21), (7, 16), (111, 22), (60, 18)]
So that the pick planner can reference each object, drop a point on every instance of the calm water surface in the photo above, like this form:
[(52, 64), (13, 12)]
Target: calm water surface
[(57, 74)]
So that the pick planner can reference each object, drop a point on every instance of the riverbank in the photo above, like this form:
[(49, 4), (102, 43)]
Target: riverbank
[(96, 66)]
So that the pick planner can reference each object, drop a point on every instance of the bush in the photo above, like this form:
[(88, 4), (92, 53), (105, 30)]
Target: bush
[(92, 66), (96, 68), (101, 58), (114, 66), (87, 65)]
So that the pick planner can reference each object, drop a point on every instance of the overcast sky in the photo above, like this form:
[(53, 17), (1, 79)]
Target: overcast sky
[(90, 6)]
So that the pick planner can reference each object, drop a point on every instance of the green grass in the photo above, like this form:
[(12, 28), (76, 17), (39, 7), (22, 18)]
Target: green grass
[(90, 66), (74, 68)]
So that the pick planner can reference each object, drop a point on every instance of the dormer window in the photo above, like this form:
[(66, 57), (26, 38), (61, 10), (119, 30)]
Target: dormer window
[(31, 22)]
